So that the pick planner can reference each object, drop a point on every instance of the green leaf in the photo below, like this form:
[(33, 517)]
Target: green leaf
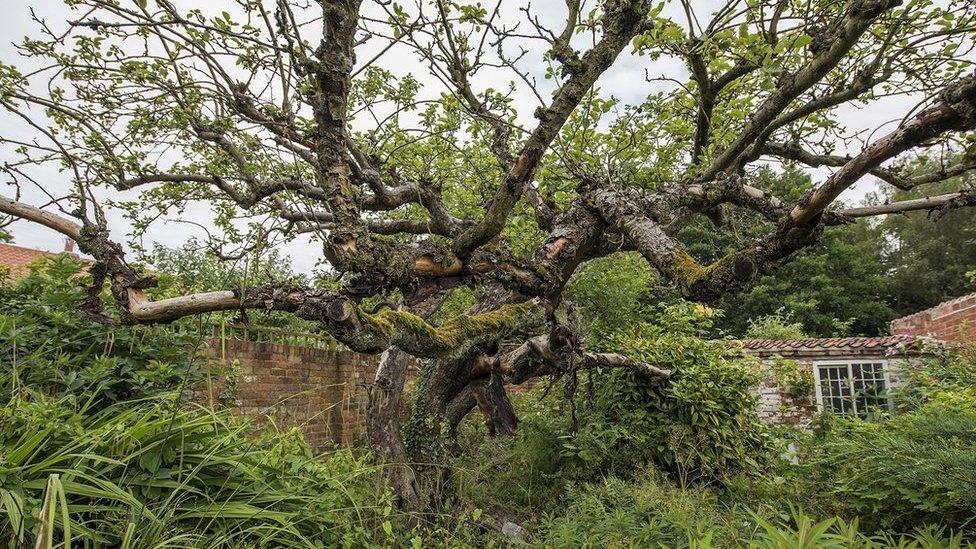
[(802, 41)]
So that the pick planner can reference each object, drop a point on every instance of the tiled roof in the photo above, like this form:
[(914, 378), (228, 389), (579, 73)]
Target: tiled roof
[(827, 344), (17, 258)]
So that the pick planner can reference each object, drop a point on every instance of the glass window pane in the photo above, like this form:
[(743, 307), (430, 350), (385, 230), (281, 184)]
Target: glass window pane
[(869, 389), (835, 388)]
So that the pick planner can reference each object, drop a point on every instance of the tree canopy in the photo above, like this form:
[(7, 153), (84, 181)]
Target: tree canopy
[(290, 118)]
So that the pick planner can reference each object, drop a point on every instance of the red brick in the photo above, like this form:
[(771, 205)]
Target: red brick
[(321, 391)]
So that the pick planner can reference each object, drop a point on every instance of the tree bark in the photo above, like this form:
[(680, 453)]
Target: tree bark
[(383, 424), (489, 395)]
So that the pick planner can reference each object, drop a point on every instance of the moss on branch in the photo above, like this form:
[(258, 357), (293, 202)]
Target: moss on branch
[(699, 281), (413, 334), (420, 338)]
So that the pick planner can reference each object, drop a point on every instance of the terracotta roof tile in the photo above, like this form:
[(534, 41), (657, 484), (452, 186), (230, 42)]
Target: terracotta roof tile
[(828, 343), (17, 258)]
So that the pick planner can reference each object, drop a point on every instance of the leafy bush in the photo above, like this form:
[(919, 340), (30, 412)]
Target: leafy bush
[(702, 426), (800, 531), (646, 511), (914, 468), (795, 379), (947, 370), (49, 346), (779, 325), (610, 292)]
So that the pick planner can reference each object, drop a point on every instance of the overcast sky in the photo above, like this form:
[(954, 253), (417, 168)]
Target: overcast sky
[(625, 81)]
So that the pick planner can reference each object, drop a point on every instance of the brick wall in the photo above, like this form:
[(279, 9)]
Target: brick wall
[(953, 320), (322, 391)]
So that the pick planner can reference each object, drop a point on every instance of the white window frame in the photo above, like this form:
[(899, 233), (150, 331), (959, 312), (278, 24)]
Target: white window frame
[(849, 363)]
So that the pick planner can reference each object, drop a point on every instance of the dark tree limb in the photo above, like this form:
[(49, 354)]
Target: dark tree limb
[(955, 111), (621, 22), (858, 17), (383, 425)]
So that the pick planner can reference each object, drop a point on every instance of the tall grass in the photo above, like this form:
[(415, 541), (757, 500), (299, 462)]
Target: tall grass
[(160, 473)]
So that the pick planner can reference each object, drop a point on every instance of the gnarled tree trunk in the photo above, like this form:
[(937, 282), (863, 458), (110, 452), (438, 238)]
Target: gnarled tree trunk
[(384, 420)]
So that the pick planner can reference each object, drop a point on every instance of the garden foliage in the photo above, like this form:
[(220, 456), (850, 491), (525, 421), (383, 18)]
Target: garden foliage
[(50, 348), (99, 445)]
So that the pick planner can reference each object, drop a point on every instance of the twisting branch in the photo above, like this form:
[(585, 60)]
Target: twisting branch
[(955, 111), (19, 210), (336, 314), (940, 203), (859, 15), (792, 151), (622, 21)]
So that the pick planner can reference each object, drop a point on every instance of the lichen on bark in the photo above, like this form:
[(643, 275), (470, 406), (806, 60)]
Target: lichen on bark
[(372, 333)]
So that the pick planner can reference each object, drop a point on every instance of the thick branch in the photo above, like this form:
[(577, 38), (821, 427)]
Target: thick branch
[(941, 202), (337, 314), (622, 21), (535, 358), (60, 224), (858, 17), (668, 256), (955, 111)]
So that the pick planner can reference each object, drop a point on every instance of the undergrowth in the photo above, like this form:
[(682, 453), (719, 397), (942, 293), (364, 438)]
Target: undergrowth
[(100, 447)]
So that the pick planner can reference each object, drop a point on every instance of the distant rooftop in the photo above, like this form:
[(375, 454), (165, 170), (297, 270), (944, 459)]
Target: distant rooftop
[(18, 258), (831, 345)]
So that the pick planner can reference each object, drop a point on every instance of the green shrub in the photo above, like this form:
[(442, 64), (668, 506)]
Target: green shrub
[(49, 346), (521, 475), (800, 531), (648, 511), (914, 468), (951, 369), (795, 379), (645, 511), (158, 472), (701, 427), (779, 325)]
